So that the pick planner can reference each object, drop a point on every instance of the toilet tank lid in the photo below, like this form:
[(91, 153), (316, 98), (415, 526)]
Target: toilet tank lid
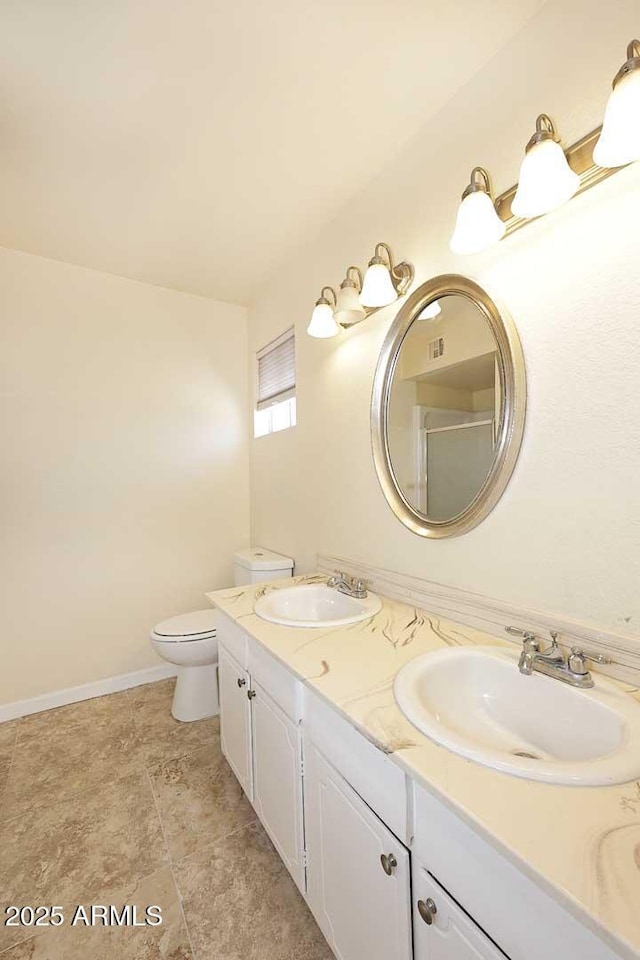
[(255, 558)]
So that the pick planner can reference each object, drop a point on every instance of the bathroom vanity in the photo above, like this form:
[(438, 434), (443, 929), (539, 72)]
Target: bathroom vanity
[(401, 848)]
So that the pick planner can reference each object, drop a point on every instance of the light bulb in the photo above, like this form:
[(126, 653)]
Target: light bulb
[(322, 324), (349, 310), (619, 142), (377, 288), (546, 179), (478, 226), (431, 311)]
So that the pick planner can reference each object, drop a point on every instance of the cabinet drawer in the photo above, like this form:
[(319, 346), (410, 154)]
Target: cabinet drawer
[(232, 638), (526, 922), (380, 783), (281, 685)]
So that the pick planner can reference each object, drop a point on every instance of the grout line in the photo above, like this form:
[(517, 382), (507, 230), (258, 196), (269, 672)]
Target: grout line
[(159, 816), (183, 915), (13, 752), (18, 943), (132, 712), (173, 876)]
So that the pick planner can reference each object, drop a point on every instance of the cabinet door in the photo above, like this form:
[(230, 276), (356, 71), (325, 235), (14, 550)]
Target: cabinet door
[(364, 912), (235, 719), (451, 934), (277, 780)]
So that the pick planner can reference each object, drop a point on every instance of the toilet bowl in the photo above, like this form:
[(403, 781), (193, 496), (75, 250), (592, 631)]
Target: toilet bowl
[(190, 640)]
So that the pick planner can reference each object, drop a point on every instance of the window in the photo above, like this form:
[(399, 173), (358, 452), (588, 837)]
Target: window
[(276, 403)]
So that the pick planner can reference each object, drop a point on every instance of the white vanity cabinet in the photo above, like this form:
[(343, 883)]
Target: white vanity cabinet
[(442, 930), (359, 886)]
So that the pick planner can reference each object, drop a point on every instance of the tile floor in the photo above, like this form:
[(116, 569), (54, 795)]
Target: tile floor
[(111, 801)]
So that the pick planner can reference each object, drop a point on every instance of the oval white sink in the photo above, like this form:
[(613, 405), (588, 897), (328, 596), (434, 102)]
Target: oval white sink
[(475, 701), (315, 605)]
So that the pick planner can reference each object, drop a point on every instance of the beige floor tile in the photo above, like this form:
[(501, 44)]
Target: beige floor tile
[(161, 737), (241, 904), (79, 747), (76, 848), (199, 800), (166, 941)]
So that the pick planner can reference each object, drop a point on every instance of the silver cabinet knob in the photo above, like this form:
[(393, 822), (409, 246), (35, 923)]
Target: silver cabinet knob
[(427, 910), (389, 863), (251, 694), (241, 683)]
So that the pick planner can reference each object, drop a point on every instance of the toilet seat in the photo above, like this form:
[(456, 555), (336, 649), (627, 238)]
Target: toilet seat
[(197, 625)]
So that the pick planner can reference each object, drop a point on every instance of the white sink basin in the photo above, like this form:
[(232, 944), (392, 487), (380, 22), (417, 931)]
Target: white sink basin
[(475, 701), (315, 605)]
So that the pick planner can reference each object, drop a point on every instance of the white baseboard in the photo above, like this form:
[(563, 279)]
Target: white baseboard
[(87, 691)]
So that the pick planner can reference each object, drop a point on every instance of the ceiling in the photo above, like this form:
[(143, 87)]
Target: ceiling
[(194, 144), (474, 373)]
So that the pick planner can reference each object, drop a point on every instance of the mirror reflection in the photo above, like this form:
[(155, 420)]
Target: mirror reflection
[(444, 408)]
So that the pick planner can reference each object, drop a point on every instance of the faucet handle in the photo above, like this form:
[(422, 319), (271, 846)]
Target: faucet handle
[(578, 659), (338, 575), (360, 587), (530, 641)]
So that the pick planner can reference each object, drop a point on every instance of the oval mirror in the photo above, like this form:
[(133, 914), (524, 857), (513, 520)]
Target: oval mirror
[(448, 407)]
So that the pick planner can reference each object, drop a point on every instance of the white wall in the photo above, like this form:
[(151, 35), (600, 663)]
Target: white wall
[(565, 538), (124, 480)]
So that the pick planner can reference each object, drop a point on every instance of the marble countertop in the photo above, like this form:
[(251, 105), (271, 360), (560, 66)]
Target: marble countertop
[(580, 844)]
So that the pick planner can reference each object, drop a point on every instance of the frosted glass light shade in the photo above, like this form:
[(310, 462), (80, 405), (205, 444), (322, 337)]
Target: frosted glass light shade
[(323, 324), (478, 226), (619, 141), (348, 308), (377, 288), (546, 180)]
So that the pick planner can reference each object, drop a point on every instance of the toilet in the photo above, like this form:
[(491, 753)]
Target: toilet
[(190, 641)]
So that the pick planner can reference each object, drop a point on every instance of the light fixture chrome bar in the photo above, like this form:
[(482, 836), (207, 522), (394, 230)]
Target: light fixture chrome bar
[(580, 159)]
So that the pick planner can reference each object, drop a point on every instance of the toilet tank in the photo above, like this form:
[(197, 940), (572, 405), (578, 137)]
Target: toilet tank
[(255, 565)]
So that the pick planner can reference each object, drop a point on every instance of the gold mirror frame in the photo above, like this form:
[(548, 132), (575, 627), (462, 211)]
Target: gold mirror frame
[(512, 409)]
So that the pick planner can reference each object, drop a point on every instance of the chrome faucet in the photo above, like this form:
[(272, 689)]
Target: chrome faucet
[(552, 662), (351, 586)]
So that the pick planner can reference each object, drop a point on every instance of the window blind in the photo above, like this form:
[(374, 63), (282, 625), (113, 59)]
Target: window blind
[(277, 370)]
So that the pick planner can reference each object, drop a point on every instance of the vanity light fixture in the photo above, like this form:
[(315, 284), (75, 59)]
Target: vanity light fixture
[(546, 179), (619, 141), (551, 175), (478, 226), (384, 281), (349, 310), (322, 324)]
